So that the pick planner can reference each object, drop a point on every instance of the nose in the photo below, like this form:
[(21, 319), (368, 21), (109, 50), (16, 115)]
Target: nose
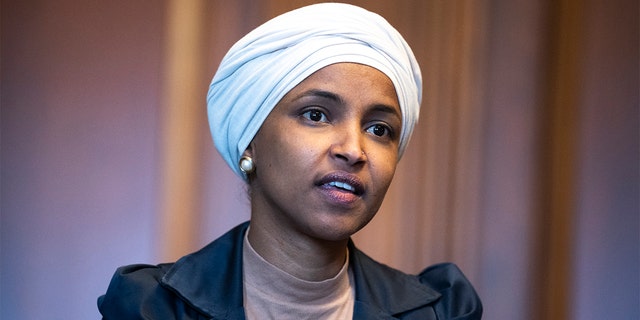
[(348, 145)]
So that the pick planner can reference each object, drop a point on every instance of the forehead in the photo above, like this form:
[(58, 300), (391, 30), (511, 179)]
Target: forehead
[(351, 81)]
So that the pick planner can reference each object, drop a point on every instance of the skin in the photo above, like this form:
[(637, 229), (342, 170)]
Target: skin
[(341, 124)]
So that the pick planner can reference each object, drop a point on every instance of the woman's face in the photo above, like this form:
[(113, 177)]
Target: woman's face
[(326, 154)]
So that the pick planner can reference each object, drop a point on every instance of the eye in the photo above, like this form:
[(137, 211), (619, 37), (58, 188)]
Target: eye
[(379, 130), (315, 115)]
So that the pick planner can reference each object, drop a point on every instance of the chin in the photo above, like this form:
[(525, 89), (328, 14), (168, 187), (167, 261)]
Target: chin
[(334, 230)]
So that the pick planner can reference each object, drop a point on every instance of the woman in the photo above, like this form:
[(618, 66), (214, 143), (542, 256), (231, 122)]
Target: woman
[(313, 110)]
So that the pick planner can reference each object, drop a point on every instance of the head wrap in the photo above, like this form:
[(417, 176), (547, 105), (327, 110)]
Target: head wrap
[(272, 59)]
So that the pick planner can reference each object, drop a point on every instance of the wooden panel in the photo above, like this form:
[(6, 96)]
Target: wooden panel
[(181, 134)]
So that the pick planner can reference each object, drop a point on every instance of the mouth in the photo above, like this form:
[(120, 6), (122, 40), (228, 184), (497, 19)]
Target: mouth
[(342, 185)]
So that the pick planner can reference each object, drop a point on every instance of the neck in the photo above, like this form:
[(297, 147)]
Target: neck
[(301, 256)]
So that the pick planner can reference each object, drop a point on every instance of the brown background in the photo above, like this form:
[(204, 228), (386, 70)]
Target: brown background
[(523, 169)]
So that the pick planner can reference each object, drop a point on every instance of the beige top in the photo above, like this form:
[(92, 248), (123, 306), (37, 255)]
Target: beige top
[(270, 293)]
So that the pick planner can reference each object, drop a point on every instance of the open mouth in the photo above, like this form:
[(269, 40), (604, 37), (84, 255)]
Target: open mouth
[(342, 182)]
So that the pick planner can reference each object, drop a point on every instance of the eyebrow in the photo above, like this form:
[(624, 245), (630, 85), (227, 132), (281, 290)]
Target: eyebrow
[(386, 109), (320, 93)]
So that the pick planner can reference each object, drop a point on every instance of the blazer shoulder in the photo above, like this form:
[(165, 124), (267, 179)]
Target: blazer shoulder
[(135, 292), (459, 299)]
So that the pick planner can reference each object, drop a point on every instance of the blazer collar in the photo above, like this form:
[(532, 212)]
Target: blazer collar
[(210, 279)]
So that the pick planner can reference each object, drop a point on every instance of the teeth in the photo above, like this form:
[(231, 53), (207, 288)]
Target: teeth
[(342, 185)]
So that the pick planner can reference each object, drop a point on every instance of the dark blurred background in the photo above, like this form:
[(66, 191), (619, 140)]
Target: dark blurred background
[(524, 168)]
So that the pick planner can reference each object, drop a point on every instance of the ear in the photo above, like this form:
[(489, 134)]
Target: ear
[(249, 150)]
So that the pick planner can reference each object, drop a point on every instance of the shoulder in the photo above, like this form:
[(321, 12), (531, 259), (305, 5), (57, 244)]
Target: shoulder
[(459, 299), (135, 293), (190, 288), (439, 292)]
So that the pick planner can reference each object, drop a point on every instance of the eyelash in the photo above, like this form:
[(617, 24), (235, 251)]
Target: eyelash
[(309, 114)]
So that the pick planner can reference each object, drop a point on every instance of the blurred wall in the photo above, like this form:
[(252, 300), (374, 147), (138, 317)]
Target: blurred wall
[(523, 169), (80, 94), (607, 250)]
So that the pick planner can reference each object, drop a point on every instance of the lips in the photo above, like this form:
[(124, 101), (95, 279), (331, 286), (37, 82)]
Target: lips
[(341, 187)]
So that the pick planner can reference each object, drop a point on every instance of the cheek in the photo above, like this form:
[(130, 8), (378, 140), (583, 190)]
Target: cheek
[(302, 163), (384, 170), (389, 172), (283, 152), (301, 146)]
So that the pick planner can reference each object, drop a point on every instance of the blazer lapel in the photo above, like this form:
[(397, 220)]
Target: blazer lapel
[(211, 279), (382, 292)]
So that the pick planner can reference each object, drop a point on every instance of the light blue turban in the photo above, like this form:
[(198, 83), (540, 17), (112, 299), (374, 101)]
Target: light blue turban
[(272, 59)]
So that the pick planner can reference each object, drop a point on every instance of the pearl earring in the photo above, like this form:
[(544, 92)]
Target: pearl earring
[(246, 165)]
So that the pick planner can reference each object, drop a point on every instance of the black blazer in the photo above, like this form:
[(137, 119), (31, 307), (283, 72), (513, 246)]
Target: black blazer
[(207, 284)]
